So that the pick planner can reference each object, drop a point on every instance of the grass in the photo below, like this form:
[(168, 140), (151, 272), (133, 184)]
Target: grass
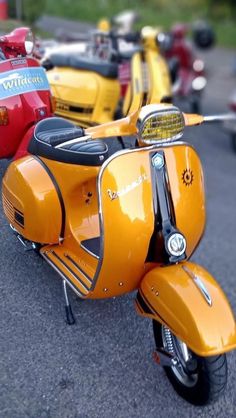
[(9, 25), (225, 33), (153, 12)]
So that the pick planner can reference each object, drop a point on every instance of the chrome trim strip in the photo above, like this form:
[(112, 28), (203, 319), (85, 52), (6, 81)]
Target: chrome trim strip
[(44, 255), (89, 252), (200, 285), (78, 267), (219, 118), (74, 141)]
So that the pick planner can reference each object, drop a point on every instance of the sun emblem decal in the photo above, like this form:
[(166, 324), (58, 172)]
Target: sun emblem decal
[(187, 177)]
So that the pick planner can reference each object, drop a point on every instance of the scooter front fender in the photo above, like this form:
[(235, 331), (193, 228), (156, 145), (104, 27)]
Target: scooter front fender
[(187, 299)]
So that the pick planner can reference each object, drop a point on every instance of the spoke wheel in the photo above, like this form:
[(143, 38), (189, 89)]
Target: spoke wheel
[(199, 380)]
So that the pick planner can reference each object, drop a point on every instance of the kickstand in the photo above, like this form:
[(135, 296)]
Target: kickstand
[(69, 314)]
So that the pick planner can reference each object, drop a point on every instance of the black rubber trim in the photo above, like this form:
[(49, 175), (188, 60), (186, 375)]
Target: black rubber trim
[(19, 219), (78, 267), (71, 271), (19, 224), (59, 194), (84, 110), (17, 210), (148, 307), (143, 304)]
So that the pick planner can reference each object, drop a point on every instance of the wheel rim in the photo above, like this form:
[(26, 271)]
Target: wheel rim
[(183, 358)]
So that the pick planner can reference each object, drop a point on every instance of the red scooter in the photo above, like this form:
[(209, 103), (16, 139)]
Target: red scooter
[(191, 77), (25, 96)]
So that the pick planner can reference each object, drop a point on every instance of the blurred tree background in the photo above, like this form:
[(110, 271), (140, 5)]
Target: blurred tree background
[(154, 12), (94, 9), (28, 10)]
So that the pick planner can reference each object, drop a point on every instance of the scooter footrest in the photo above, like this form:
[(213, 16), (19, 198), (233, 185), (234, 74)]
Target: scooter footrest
[(69, 268)]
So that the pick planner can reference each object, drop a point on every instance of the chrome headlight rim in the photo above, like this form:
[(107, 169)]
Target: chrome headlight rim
[(29, 42), (148, 112)]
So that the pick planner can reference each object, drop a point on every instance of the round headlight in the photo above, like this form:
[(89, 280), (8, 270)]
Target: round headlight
[(160, 123), (198, 65), (29, 42), (176, 244), (199, 83)]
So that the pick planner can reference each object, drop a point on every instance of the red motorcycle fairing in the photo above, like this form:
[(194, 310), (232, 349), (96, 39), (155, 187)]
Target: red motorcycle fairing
[(24, 102)]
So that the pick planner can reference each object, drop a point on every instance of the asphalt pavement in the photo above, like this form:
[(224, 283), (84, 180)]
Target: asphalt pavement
[(102, 366)]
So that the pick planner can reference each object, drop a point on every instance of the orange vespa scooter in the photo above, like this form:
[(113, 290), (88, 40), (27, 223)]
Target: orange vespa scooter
[(112, 215)]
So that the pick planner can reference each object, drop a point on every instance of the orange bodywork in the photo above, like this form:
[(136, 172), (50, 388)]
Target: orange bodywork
[(112, 205), (120, 216), (173, 298), (187, 191), (31, 202)]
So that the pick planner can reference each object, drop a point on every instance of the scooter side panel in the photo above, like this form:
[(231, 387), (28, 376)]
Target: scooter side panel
[(31, 202), (127, 223), (175, 296), (84, 96), (187, 191), (135, 92), (160, 85), (126, 194), (69, 258)]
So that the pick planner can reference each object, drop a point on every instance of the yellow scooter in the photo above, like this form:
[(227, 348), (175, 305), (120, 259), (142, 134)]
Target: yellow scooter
[(121, 207), (87, 89)]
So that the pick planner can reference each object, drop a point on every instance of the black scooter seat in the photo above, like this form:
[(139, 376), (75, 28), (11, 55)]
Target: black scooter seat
[(106, 69), (52, 132)]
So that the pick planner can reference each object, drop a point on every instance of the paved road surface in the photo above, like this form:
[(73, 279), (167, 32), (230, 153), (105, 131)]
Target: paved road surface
[(102, 367)]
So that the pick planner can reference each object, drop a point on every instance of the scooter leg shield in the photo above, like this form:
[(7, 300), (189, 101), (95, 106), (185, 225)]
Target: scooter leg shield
[(187, 299)]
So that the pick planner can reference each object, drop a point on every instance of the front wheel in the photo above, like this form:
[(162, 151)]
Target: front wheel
[(199, 380)]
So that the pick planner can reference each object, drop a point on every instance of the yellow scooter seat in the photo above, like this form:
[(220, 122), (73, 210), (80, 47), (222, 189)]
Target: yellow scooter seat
[(105, 69), (60, 140)]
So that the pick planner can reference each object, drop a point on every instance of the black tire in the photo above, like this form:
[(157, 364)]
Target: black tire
[(203, 35), (233, 142), (201, 382)]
